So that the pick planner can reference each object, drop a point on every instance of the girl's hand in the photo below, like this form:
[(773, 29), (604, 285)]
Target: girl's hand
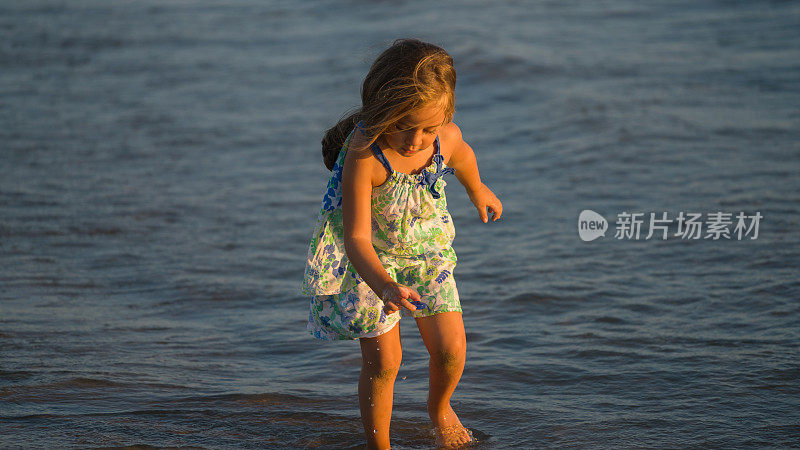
[(484, 198), (395, 295)]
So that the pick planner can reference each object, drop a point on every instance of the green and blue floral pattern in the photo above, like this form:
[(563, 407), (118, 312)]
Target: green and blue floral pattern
[(412, 233)]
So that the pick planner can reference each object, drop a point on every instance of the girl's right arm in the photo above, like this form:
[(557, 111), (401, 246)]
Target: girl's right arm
[(357, 220)]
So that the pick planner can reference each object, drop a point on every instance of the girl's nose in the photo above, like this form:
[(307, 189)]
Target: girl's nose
[(414, 138)]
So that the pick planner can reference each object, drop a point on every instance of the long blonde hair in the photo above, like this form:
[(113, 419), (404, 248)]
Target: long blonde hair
[(407, 75)]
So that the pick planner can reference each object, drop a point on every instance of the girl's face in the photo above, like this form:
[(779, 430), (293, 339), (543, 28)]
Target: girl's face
[(416, 131)]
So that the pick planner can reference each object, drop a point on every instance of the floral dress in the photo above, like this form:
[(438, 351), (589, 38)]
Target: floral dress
[(412, 234)]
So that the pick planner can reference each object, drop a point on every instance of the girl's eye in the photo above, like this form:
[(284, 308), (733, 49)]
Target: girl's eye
[(399, 128)]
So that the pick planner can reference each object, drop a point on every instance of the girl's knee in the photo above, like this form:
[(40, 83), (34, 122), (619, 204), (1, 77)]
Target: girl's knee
[(381, 356), (383, 364), (388, 374), (382, 369), (449, 361)]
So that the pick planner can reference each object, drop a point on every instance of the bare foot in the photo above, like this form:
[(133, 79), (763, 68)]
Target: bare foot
[(449, 431), (452, 436)]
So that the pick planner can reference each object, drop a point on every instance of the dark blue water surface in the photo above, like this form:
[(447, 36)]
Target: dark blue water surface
[(160, 174)]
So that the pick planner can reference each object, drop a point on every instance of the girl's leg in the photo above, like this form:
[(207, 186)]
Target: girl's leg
[(380, 362), (446, 342)]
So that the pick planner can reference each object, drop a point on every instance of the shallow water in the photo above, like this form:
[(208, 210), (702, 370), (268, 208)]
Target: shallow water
[(160, 176)]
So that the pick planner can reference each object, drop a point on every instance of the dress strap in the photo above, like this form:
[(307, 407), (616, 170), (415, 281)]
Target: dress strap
[(428, 179), (437, 155), (376, 150)]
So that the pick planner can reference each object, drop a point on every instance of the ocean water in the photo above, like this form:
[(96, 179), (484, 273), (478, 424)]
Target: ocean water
[(160, 174)]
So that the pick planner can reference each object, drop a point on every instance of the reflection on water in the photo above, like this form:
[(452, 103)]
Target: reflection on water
[(160, 174)]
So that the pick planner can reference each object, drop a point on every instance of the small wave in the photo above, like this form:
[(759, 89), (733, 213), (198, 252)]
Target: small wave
[(609, 319), (95, 230), (76, 387), (495, 66), (14, 375), (597, 353), (261, 399), (533, 298), (512, 343), (49, 392)]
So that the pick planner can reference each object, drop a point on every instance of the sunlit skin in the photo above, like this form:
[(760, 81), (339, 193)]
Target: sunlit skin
[(414, 134), (409, 148)]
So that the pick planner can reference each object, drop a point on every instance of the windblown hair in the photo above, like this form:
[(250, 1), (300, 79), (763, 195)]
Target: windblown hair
[(410, 74)]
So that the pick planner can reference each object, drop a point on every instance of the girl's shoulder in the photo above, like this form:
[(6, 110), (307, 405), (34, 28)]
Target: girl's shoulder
[(449, 139), (362, 158)]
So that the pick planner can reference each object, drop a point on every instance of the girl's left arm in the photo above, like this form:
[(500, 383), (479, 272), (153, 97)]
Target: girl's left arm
[(463, 161)]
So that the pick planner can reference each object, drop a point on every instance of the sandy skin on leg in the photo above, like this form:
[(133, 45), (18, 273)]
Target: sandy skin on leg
[(380, 362), (446, 342)]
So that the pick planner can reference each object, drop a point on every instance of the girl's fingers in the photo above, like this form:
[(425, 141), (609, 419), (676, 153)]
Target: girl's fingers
[(497, 212), (414, 295), (390, 308), (496, 209), (401, 299), (482, 214), (407, 305)]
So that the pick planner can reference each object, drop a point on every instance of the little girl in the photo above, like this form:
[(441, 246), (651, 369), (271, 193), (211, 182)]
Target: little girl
[(383, 238)]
